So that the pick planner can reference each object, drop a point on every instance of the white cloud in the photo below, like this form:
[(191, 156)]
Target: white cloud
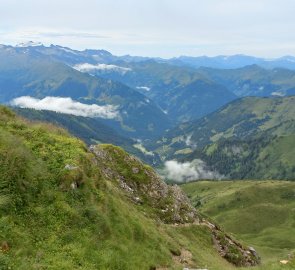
[(85, 67), (143, 88), (66, 105), (188, 171), (278, 94)]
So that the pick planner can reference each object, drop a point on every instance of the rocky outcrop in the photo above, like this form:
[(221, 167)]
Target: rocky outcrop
[(233, 251), (169, 204), (143, 186)]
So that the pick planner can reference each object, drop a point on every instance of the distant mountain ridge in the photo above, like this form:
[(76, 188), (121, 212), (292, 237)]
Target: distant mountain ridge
[(234, 61), (220, 61)]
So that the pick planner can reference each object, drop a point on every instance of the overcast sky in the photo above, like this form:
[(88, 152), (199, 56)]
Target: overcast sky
[(163, 28)]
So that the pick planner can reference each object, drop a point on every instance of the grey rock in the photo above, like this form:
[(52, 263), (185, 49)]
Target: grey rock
[(70, 167), (135, 170)]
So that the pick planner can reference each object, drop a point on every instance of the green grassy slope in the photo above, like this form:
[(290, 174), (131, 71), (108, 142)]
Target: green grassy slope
[(265, 157), (258, 212), (64, 207), (251, 138), (241, 119), (90, 130)]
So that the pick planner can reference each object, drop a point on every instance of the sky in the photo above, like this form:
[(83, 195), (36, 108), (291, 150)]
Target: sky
[(163, 28)]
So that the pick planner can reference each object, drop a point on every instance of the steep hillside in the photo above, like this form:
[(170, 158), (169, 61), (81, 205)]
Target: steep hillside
[(243, 118), (259, 212), (90, 130), (264, 157), (248, 138), (195, 100), (254, 80), (27, 74), (63, 206)]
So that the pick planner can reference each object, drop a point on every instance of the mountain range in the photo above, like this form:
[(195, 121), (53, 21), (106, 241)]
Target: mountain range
[(161, 109), (93, 56), (25, 73), (96, 150), (234, 61)]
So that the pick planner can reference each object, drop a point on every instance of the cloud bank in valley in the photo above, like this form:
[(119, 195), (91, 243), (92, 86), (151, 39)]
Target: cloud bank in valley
[(188, 171), (66, 105), (85, 67), (143, 88)]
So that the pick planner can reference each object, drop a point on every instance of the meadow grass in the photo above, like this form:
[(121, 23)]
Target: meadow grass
[(260, 213)]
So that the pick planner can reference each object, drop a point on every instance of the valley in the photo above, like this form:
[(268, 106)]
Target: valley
[(103, 161), (147, 135), (251, 138)]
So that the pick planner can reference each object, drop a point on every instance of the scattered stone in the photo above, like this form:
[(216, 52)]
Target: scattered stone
[(184, 257), (4, 246), (124, 186), (137, 200), (74, 185), (210, 225), (135, 170), (253, 251), (99, 152), (284, 261), (91, 148), (71, 167)]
